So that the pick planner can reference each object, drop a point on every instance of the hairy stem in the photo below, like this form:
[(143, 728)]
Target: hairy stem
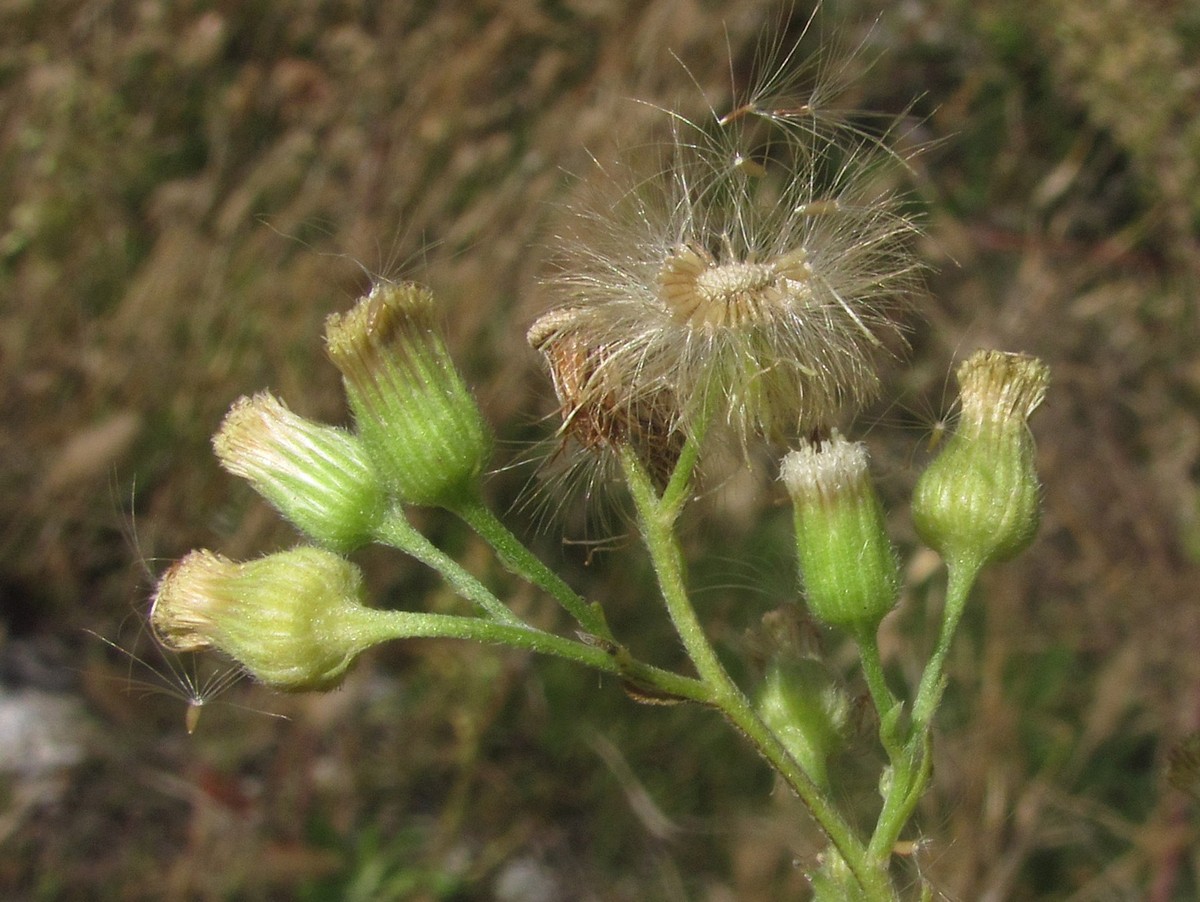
[(881, 696), (377, 626), (657, 523), (525, 564), (912, 769), (397, 532)]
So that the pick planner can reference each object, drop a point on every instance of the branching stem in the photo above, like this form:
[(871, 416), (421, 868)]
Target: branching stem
[(657, 519)]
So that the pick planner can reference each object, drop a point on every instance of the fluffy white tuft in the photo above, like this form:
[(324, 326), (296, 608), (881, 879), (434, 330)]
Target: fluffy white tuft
[(746, 275)]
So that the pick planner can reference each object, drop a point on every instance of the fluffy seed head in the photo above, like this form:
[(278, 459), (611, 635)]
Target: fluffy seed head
[(750, 276)]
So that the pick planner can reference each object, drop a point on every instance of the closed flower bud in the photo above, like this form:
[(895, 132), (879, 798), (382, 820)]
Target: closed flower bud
[(847, 563), (294, 620), (978, 501), (807, 710), (317, 476), (418, 421)]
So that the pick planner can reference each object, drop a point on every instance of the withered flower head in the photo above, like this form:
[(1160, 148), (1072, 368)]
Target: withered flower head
[(751, 279), (600, 421)]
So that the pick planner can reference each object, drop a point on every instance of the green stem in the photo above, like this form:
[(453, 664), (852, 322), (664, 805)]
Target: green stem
[(911, 770), (657, 522), (885, 702), (679, 485), (910, 775), (523, 562), (933, 680), (374, 626), (397, 532), (667, 557)]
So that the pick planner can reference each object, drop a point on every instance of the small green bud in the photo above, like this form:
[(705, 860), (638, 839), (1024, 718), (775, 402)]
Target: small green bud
[(412, 410), (978, 502), (849, 569), (807, 710), (317, 476), (294, 620)]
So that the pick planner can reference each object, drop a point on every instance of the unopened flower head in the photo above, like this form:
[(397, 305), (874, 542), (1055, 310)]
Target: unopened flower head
[(319, 477), (419, 423), (755, 273), (978, 502), (849, 569), (294, 620), (806, 708)]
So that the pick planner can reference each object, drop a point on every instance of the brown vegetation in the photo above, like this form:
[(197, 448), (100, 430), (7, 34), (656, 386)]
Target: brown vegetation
[(189, 189)]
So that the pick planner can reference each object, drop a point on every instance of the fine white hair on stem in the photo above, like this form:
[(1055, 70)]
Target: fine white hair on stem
[(748, 272)]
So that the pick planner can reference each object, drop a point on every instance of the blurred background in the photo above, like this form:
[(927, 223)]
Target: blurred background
[(188, 189)]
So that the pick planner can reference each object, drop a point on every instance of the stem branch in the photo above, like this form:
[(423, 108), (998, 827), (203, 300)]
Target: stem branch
[(524, 563), (657, 520), (397, 532), (911, 770)]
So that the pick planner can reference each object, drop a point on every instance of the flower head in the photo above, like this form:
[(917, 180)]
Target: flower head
[(847, 563), (601, 420), (294, 620), (800, 701), (978, 502), (750, 280), (413, 412), (317, 476)]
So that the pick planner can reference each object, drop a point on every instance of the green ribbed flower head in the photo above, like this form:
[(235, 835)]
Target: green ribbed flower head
[(294, 620), (319, 477), (978, 502), (847, 563), (413, 412)]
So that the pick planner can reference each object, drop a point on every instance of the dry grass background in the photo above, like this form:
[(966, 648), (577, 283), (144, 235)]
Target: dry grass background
[(186, 191)]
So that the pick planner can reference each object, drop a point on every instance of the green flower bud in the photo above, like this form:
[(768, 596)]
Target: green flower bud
[(849, 569), (807, 710), (319, 477), (294, 620), (412, 410), (978, 502)]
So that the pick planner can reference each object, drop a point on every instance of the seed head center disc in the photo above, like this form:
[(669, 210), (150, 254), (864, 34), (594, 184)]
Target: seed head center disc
[(701, 292)]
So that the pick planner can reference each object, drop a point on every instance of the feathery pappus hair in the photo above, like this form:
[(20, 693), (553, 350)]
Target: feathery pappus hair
[(745, 275)]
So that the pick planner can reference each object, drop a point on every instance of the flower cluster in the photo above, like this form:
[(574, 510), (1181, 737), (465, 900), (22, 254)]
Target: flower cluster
[(748, 286), (296, 619)]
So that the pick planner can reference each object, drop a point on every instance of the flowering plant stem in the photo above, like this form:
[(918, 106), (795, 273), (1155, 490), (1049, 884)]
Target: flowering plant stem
[(881, 696), (501, 626), (657, 518), (523, 562), (377, 626), (396, 531), (908, 750), (912, 763)]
